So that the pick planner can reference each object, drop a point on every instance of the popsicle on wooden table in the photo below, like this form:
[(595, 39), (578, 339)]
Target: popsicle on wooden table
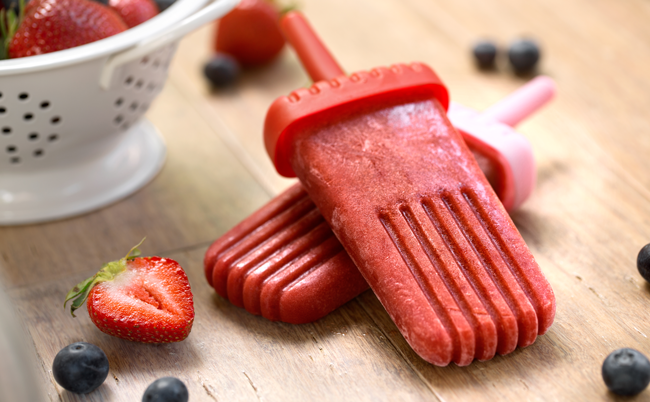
[(254, 264), (435, 245), (273, 265)]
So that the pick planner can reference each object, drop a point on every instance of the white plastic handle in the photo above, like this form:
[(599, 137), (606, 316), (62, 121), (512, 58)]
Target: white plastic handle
[(214, 10)]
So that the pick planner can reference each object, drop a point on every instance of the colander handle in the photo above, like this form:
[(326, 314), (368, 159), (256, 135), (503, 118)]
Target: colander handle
[(214, 10)]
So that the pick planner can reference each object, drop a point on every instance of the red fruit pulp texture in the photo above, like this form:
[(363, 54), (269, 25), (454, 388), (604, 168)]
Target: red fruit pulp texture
[(53, 25), (134, 12), (435, 245), (250, 33), (150, 302)]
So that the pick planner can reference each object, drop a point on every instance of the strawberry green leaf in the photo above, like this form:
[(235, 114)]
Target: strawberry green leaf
[(76, 290), (79, 293), (4, 32), (109, 272), (9, 23), (289, 7), (82, 296)]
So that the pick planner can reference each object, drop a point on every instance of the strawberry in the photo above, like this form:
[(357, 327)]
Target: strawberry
[(52, 25), (142, 299), (134, 12), (250, 33)]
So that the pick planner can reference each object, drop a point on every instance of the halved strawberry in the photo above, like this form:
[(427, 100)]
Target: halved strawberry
[(52, 25), (142, 299)]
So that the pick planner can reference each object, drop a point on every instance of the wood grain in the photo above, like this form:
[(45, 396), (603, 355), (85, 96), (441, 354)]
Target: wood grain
[(586, 221), (230, 354)]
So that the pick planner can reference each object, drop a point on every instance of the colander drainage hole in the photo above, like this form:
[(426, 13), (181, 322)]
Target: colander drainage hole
[(28, 116), (11, 149), (144, 61), (15, 159), (118, 102), (38, 152), (0, 95), (139, 84), (156, 63), (3, 110), (128, 81), (53, 137), (33, 136), (6, 130), (151, 87), (23, 96), (45, 104), (56, 120), (134, 106), (118, 119)]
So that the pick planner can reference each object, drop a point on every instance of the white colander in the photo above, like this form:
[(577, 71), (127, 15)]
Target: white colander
[(72, 135)]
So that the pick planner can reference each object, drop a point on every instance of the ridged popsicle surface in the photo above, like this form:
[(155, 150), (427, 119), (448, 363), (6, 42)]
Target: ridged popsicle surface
[(410, 205), (283, 262)]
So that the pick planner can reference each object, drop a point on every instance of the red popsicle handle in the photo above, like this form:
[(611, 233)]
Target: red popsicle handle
[(314, 56), (333, 89)]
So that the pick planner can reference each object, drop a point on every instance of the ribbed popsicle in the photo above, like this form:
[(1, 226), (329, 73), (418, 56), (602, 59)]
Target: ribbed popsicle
[(478, 293)]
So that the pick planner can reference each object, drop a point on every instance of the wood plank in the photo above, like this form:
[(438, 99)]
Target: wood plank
[(230, 355), (585, 223)]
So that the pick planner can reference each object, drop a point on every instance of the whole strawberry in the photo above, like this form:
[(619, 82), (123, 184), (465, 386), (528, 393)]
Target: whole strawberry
[(142, 299), (134, 12), (52, 25), (250, 33)]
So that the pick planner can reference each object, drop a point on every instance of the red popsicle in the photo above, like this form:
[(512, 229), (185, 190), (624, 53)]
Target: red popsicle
[(303, 290), (258, 258), (435, 245)]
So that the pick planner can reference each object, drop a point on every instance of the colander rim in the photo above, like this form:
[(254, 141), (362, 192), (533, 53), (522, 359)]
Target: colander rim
[(108, 46)]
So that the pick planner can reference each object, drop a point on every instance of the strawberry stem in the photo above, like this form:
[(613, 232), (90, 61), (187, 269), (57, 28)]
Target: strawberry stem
[(135, 251), (9, 23), (283, 6), (289, 7), (109, 271)]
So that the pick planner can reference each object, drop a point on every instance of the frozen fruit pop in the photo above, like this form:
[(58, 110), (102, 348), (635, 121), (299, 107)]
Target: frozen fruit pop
[(301, 290), (437, 247), (435, 244)]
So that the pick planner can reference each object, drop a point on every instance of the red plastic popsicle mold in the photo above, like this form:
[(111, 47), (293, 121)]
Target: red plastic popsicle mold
[(480, 291)]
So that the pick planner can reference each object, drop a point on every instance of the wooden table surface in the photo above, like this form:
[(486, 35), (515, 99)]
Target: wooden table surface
[(585, 223)]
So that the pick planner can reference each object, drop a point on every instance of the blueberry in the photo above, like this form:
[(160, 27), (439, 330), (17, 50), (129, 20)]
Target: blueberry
[(626, 372), (164, 4), (643, 262), (222, 70), (80, 367), (485, 53), (166, 389), (523, 55)]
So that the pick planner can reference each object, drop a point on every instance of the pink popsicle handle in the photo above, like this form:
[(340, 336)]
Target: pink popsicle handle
[(523, 102)]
